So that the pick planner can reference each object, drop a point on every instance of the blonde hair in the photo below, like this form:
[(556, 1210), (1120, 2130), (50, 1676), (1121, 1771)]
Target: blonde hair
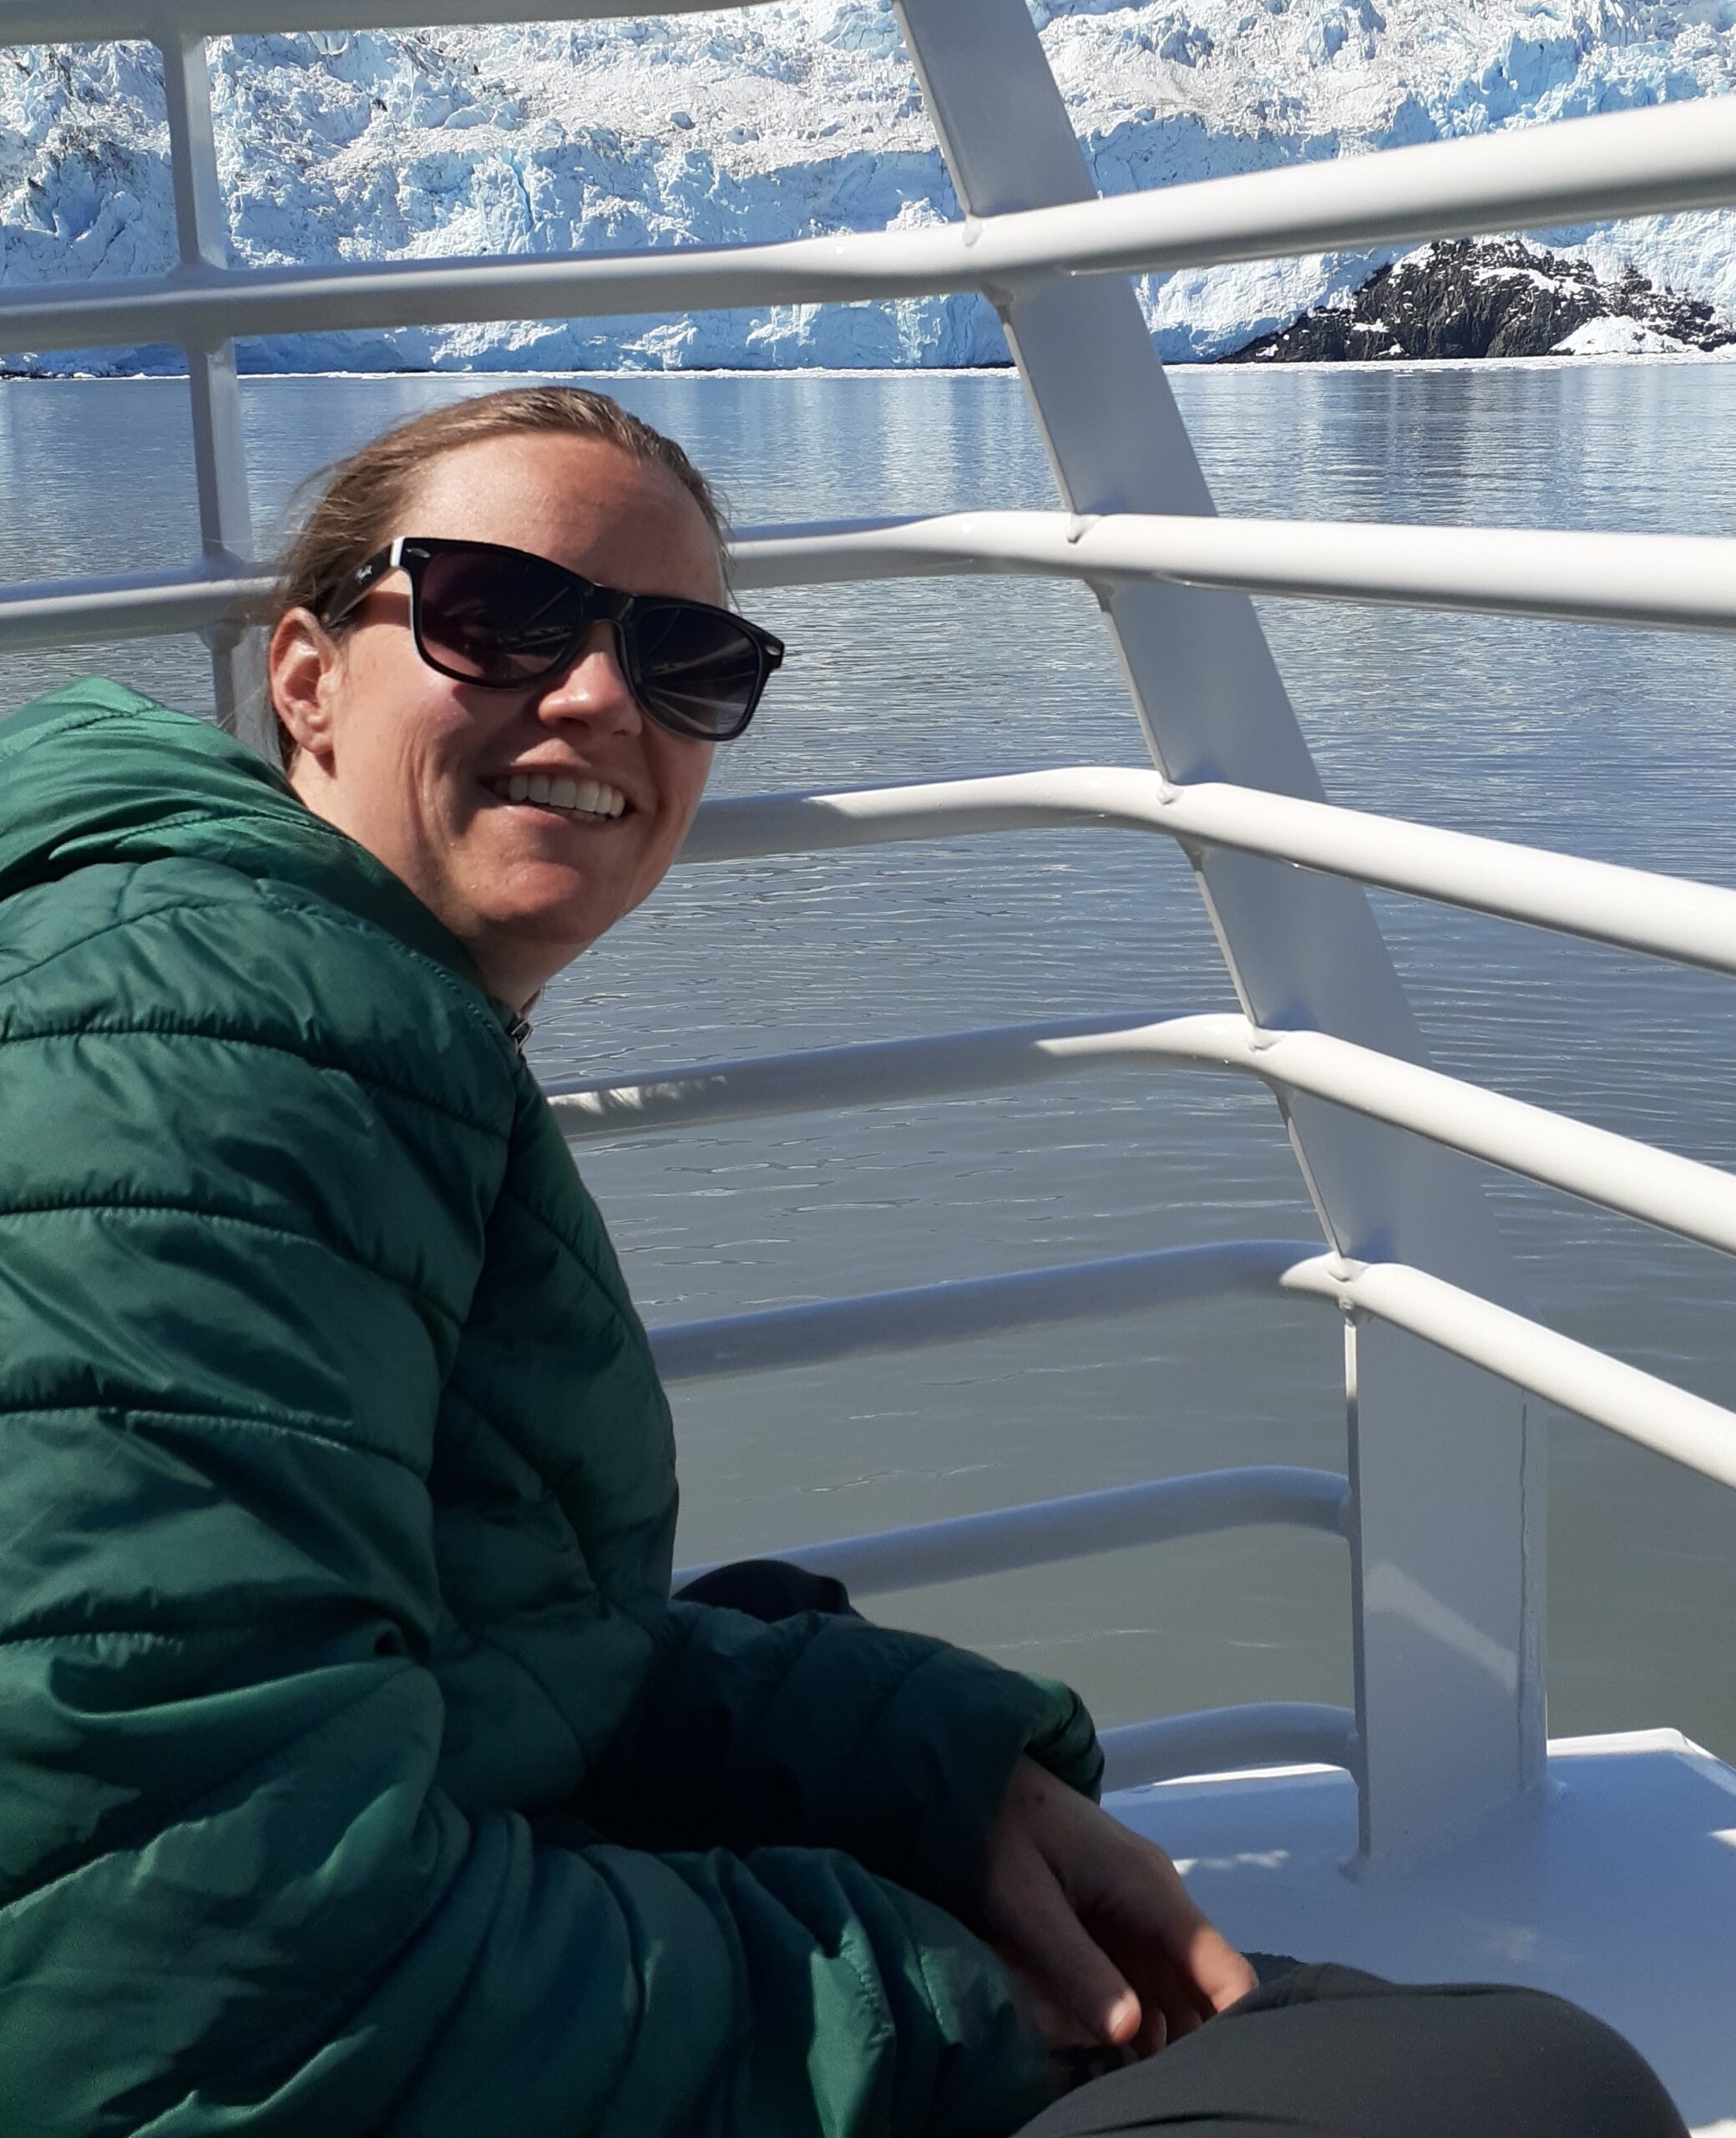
[(364, 497)]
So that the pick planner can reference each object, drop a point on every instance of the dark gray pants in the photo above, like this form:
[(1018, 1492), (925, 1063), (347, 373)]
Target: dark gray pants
[(1329, 2052)]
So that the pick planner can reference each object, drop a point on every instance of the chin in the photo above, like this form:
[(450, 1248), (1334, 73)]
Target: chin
[(563, 930), (547, 906)]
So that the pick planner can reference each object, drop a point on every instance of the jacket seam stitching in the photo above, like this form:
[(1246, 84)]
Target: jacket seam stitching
[(142, 1636), (17, 973), (616, 1299), (467, 996), (19, 745), (162, 1208), (295, 1425), (95, 1028)]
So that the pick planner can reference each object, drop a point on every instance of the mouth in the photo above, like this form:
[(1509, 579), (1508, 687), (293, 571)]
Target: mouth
[(580, 801)]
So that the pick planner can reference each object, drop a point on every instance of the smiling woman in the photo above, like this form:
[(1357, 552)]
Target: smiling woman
[(361, 1774), (471, 787)]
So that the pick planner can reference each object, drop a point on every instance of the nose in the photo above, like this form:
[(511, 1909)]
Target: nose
[(594, 686)]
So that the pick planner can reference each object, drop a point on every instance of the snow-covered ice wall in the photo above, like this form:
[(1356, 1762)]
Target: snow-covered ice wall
[(792, 119)]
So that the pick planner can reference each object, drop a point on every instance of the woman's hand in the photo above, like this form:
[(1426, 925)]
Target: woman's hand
[(1109, 1952)]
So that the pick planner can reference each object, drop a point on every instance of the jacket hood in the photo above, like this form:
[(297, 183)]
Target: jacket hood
[(96, 773)]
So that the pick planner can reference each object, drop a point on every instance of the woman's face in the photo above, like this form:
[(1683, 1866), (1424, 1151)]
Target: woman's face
[(413, 765)]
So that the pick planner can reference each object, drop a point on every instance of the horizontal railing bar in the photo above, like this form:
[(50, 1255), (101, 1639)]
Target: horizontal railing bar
[(1045, 1531), (954, 1311), (1221, 1739), (1674, 582), (1669, 582), (1578, 170), (1689, 1429), (825, 1077), (142, 605), (1615, 1171), (198, 307), (1599, 901), (1640, 1406), (1618, 1173), (39, 22), (1636, 909)]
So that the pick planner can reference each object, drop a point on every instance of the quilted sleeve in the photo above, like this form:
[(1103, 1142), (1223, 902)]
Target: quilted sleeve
[(234, 1257), (830, 1732), (818, 1730)]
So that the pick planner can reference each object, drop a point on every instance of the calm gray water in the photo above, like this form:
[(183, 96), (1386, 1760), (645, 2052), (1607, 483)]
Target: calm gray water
[(1617, 744)]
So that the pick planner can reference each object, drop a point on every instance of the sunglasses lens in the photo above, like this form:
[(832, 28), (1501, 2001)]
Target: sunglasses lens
[(502, 618), (497, 619), (696, 668)]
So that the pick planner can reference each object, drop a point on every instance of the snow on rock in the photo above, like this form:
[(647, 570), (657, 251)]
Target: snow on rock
[(1618, 338), (796, 118), (1499, 298)]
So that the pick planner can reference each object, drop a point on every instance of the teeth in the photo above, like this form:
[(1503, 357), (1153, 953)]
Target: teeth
[(587, 798)]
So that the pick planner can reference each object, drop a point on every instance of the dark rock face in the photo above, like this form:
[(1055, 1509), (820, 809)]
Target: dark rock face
[(1460, 297)]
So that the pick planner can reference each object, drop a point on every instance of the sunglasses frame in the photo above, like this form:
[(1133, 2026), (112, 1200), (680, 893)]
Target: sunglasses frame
[(412, 554)]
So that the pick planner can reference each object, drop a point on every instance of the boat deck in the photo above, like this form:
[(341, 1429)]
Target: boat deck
[(1617, 1889)]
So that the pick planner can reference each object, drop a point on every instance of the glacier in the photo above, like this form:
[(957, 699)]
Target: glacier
[(792, 119)]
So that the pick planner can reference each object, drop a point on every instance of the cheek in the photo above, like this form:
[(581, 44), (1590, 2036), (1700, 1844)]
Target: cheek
[(370, 728), (683, 784), (412, 737)]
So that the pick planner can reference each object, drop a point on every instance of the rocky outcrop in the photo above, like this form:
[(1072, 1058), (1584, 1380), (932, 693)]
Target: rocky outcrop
[(1505, 298)]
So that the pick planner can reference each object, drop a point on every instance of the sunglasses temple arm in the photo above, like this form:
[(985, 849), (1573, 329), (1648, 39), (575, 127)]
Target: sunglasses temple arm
[(360, 581)]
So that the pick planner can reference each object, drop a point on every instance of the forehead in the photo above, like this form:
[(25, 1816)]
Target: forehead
[(602, 512)]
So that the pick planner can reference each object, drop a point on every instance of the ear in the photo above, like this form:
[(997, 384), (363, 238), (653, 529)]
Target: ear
[(300, 666)]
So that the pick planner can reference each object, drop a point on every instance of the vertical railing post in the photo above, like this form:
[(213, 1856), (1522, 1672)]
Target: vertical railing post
[(220, 451), (1446, 1471)]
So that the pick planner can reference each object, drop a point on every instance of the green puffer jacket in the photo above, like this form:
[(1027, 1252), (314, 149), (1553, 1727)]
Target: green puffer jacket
[(357, 1775)]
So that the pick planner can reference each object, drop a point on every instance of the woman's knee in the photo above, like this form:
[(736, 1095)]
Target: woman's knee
[(1373, 2057), (1335, 2053), (1577, 2075)]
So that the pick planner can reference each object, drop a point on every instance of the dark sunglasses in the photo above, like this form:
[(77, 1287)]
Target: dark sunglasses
[(503, 620)]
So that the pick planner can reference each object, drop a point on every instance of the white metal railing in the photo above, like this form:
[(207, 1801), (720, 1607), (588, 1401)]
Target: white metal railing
[(1601, 902), (1640, 1406), (1614, 1171), (1265, 1733), (1618, 1173), (972, 1306), (131, 604), (1586, 170), (219, 453), (1082, 1527), (1436, 1739), (1670, 582)]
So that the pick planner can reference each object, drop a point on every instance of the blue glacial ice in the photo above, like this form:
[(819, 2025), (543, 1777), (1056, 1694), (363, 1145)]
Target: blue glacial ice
[(796, 118)]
